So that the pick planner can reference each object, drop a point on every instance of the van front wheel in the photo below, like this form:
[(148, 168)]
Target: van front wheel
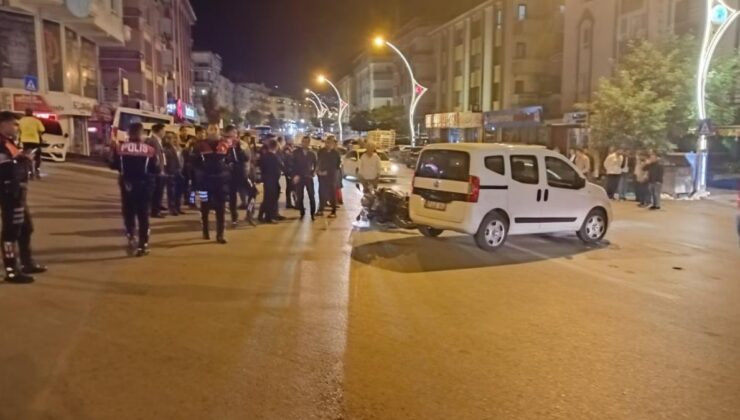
[(492, 232), (430, 232), (594, 227)]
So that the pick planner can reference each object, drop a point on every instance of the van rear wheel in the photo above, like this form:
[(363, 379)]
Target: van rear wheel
[(492, 232), (430, 232)]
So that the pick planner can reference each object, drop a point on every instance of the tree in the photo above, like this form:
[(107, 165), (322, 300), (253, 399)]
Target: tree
[(253, 118), (235, 117), (211, 107), (273, 122), (649, 102), (390, 118), (362, 121)]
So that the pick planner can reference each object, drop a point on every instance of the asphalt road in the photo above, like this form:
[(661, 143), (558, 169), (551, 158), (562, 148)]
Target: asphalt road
[(318, 321)]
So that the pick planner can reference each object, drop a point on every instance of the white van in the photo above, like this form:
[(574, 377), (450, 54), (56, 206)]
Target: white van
[(492, 191), (124, 117)]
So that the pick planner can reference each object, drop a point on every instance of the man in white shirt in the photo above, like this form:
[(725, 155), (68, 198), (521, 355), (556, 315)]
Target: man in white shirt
[(370, 168), (613, 166), (582, 162)]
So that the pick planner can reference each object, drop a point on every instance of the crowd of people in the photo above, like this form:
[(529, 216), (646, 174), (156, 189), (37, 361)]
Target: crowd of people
[(644, 169), (216, 169)]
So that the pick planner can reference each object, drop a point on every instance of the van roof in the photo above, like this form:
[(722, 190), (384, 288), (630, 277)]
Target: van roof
[(473, 147)]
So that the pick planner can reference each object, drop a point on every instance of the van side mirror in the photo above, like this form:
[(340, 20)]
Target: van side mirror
[(581, 183)]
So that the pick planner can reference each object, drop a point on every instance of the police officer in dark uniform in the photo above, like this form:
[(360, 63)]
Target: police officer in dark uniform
[(210, 160), (137, 164), (271, 169), (16, 218)]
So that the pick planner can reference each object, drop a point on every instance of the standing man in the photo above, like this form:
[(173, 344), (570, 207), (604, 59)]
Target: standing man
[(288, 170), (209, 159), (31, 130), (655, 179), (173, 174), (16, 218), (583, 163), (329, 163), (271, 170), (238, 160), (613, 166), (137, 164), (370, 168), (160, 180), (305, 160)]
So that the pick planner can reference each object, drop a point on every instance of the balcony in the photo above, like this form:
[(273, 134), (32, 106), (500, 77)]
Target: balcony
[(103, 24)]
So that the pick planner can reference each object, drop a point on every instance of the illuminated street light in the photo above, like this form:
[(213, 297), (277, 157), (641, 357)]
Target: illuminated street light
[(342, 105), (417, 89), (719, 18)]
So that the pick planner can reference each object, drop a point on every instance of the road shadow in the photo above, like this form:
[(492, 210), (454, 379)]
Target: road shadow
[(422, 255), (157, 228)]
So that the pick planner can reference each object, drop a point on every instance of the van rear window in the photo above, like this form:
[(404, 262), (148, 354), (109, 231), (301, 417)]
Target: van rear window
[(127, 119), (451, 165)]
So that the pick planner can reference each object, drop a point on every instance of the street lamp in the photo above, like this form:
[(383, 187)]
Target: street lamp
[(319, 113), (342, 105), (417, 89), (719, 18)]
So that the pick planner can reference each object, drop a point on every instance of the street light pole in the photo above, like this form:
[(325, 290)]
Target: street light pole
[(719, 18), (342, 105), (319, 114), (417, 89)]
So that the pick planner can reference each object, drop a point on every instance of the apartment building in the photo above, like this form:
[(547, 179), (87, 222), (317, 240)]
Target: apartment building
[(50, 61), (597, 34), (153, 70), (502, 58)]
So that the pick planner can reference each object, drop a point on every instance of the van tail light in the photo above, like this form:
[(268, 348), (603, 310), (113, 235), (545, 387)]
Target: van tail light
[(474, 188)]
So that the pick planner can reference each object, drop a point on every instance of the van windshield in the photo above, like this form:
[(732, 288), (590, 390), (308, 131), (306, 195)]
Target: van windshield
[(444, 164), (127, 119)]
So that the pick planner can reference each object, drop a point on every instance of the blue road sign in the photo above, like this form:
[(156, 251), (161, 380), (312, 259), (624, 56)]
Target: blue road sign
[(31, 83)]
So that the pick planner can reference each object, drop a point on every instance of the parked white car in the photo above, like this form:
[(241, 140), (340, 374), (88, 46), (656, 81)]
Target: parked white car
[(351, 165), (492, 191)]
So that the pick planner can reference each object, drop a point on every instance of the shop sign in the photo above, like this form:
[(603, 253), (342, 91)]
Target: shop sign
[(21, 102)]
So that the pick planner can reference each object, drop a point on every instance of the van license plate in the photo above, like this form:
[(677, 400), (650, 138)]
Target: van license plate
[(434, 205)]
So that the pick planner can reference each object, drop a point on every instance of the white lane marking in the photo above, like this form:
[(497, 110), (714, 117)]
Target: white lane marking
[(594, 273)]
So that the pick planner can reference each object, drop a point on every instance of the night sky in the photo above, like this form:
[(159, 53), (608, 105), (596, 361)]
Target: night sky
[(284, 42)]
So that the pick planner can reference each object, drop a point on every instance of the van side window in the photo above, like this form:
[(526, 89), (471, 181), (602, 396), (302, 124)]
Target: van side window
[(524, 169), (496, 164), (561, 175)]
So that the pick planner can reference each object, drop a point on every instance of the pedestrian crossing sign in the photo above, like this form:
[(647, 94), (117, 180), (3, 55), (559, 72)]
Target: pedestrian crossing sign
[(31, 83), (705, 128)]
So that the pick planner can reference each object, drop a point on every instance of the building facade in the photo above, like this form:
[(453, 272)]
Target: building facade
[(598, 33), (177, 25), (50, 62), (252, 97), (374, 76), (503, 54)]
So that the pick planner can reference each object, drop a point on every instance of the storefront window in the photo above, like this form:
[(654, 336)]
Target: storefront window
[(17, 49)]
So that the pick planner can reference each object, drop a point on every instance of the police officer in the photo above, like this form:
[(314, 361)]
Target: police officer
[(16, 218), (210, 161), (138, 165), (238, 160)]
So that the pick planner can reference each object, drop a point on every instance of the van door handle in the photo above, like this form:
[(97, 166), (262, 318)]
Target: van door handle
[(547, 195), (539, 195)]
